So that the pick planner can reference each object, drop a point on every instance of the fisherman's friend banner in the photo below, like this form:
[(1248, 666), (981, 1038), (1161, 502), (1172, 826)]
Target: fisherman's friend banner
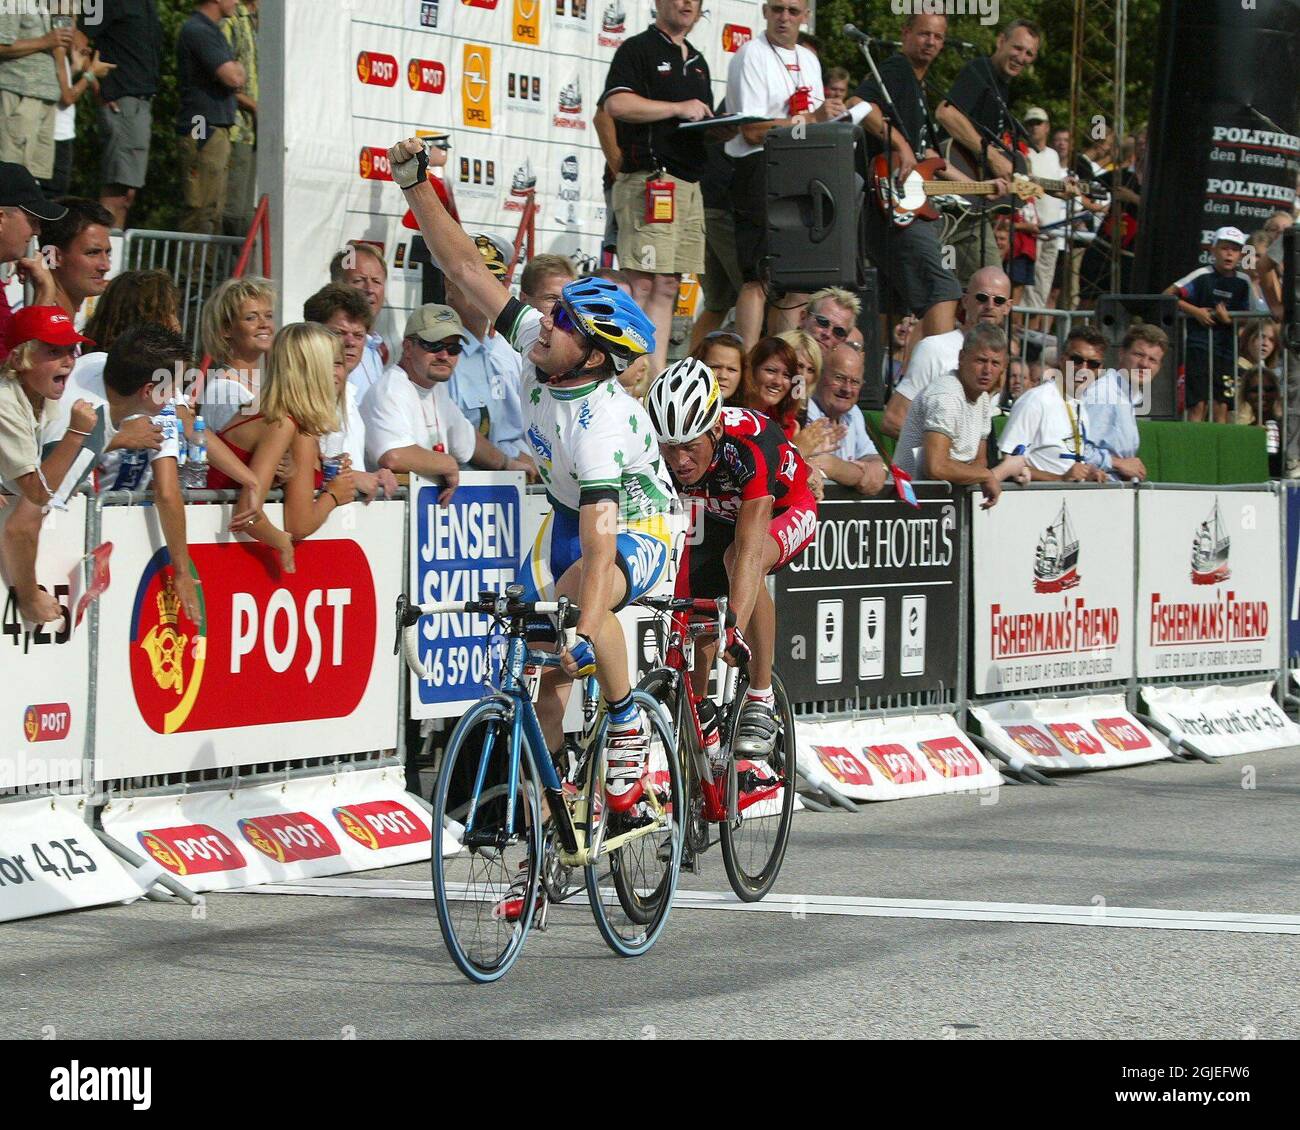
[(1210, 596), (1053, 596)]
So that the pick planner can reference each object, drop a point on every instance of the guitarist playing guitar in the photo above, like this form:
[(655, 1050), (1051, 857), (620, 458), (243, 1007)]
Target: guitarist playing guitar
[(975, 110), (909, 258)]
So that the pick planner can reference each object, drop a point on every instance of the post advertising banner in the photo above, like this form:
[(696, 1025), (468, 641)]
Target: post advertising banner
[(1223, 720), (43, 695), (282, 666), (51, 860), (1088, 732), (1210, 595), (471, 545), (1052, 603), (870, 608), (327, 825), (892, 758)]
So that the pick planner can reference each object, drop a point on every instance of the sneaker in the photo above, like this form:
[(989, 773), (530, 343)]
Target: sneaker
[(625, 763), (756, 732), (511, 908)]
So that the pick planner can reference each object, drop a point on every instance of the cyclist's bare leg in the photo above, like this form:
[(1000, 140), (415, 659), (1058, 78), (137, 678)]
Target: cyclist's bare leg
[(760, 630)]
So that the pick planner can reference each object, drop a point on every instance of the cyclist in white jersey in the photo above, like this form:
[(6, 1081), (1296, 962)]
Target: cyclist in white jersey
[(606, 540)]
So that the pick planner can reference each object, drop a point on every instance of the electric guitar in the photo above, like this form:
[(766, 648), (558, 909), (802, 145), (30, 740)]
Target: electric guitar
[(905, 200), (963, 161)]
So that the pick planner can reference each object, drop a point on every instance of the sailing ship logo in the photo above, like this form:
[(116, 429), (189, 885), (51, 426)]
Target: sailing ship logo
[(525, 180), (615, 19), (1056, 561), (1210, 546), (571, 97)]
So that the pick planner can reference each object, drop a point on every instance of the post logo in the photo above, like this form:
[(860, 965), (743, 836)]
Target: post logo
[(527, 24), (1075, 738), (490, 5), (191, 849), (476, 86), (735, 36), (47, 722), (379, 824), (896, 763), (951, 757), (1032, 740), (1122, 734), (375, 69), (427, 75), (272, 647), (373, 164), (289, 837), (842, 765)]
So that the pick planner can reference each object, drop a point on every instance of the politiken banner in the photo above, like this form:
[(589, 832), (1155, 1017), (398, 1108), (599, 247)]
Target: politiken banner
[(892, 758), (1221, 720), (870, 607), (43, 695), (473, 544), (327, 825), (1086, 732), (281, 666), (1052, 603), (514, 83), (51, 860), (1210, 596)]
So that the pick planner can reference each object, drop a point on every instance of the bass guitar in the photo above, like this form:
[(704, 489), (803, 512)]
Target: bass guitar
[(914, 195)]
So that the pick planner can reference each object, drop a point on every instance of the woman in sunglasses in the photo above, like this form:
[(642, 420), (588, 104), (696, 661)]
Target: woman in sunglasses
[(606, 539)]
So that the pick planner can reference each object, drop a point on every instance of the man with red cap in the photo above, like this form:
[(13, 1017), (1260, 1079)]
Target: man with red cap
[(23, 208), (42, 348)]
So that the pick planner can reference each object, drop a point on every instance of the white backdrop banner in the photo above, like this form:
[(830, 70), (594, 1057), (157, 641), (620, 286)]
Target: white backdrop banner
[(1053, 594), (324, 825), (1089, 732), (892, 758), (1223, 720), (50, 860), (515, 83), (284, 666), (1210, 596), (43, 695)]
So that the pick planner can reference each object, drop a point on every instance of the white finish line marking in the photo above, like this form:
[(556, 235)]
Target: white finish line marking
[(934, 909)]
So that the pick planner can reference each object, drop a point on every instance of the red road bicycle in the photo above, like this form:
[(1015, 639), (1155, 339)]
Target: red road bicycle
[(751, 803)]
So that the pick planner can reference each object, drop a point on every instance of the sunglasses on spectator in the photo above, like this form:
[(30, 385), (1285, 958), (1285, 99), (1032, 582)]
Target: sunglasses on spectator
[(996, 299), (777, 9), (451, 346), (1079, 361), (839, 332)]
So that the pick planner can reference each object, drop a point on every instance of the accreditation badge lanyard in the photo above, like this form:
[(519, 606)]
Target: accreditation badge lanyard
[(434, 425), (800, 100)]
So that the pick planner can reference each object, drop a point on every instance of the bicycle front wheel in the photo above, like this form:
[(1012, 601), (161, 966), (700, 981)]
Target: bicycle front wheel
[(632, 882), (486, 866), (760, 805)]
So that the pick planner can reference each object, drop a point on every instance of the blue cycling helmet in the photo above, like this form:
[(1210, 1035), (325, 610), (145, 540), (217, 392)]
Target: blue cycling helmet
[(609, 319)]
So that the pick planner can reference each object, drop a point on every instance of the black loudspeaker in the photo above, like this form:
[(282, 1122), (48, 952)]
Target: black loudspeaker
[(1115, 313), (814, 176), (1291, 286), (874, 350)]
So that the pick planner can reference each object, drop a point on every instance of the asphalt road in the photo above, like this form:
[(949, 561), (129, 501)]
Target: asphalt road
[(1178, 837)]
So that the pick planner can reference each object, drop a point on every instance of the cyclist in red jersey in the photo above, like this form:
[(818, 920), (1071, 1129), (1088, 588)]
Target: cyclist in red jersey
[(752, 514)]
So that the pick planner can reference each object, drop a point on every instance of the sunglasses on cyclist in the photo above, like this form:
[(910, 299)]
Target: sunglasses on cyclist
[(560, 316), (838, 332), (996, 299), (451, 346)]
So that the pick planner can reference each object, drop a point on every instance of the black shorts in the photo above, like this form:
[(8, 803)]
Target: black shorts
[(749, 206), (911, 261), (1203, 371), (702, 571)]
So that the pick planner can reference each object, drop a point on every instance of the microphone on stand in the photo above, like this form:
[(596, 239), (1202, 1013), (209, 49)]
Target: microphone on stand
[(862, 37), (960, 45)]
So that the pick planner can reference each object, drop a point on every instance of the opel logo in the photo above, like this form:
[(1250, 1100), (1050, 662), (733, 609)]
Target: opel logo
[(527, 9), (475, 82)]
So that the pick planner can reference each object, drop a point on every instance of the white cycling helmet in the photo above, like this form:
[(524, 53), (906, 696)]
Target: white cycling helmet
[(684, 402)]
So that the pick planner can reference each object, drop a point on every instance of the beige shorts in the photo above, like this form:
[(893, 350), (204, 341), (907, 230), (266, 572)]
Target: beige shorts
[(662, 249), (27, 133)]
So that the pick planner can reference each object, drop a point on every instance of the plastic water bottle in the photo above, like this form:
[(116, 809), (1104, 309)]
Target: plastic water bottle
[(194, 474)]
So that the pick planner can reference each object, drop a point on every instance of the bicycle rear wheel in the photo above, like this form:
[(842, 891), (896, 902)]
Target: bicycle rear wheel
[(760, 805), (631, 886), (485, 879)]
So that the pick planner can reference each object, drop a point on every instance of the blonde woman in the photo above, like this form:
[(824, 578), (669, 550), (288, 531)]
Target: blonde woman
[(299, 404), (347, 446), (237, 328), (821, 436)]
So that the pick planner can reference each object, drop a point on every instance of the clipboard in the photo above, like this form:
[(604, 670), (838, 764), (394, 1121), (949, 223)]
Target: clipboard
[(724, 120)]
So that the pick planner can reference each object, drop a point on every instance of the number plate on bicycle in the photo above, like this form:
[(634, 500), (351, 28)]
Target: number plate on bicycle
[(533, 679)]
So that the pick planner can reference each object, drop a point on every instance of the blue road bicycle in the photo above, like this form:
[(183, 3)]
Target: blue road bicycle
[(500, 800)]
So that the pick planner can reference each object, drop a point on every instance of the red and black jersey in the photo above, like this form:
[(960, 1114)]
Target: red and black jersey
[(753, 460)]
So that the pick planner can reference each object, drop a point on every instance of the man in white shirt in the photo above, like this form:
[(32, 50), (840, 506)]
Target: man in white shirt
[(773, 78), (412, 423), (945, 434), (987, 300), (362, 267), (1044, 161), (855, 463)]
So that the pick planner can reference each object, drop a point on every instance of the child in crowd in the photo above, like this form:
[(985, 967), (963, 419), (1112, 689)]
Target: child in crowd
[(1207, 296), (724, 353)]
